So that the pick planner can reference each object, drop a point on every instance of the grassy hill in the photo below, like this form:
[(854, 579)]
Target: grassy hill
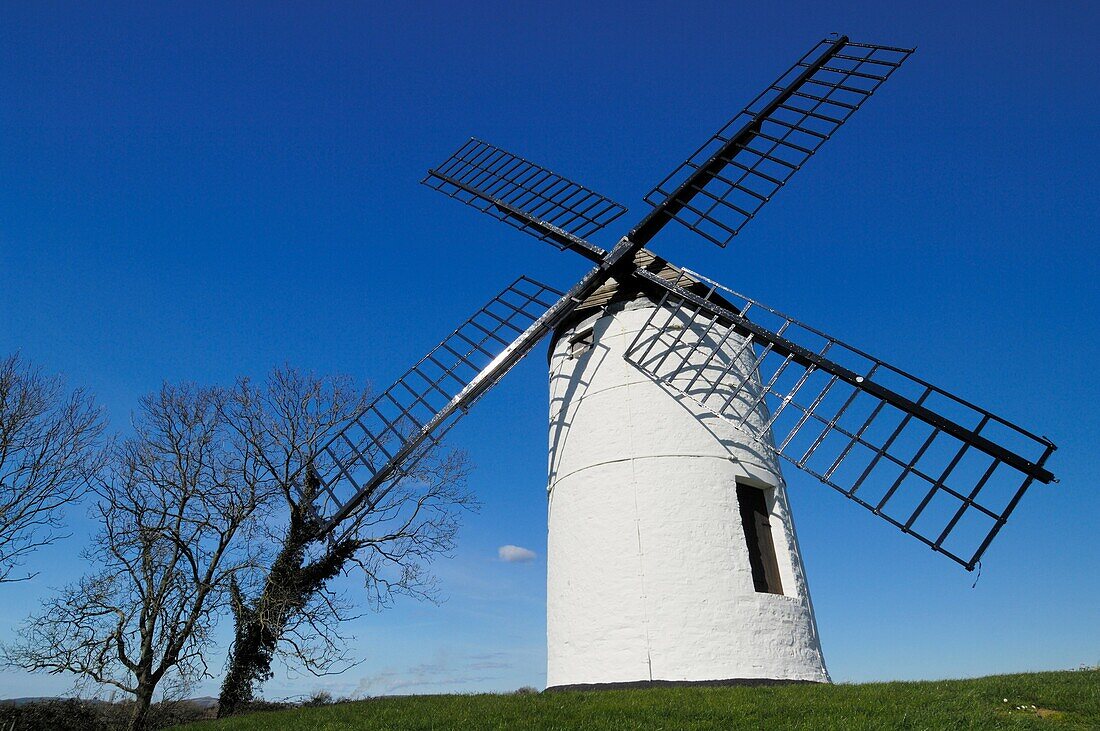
[(1058, 700)]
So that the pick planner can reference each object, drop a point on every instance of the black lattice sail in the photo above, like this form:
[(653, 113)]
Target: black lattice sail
[(937, 467), (386, 440), (522, 194), (719, 189), (940, 468)]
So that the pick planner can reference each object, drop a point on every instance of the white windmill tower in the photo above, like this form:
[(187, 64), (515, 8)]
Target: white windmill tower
[(671, 552), (672, 555)]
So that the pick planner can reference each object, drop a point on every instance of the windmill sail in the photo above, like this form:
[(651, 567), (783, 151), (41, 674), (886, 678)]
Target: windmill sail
[(725, 182), (371, 453), (939, 468), (525, 195)]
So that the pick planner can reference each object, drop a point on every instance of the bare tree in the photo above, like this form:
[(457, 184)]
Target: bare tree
[(175, 506), (289, 609), (48, 452)]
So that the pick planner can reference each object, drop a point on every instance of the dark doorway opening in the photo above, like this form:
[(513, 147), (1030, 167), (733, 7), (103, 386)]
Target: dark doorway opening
[(753, 503)]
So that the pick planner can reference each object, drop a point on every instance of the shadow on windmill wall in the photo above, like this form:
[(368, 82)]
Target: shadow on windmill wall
[(574, 369)]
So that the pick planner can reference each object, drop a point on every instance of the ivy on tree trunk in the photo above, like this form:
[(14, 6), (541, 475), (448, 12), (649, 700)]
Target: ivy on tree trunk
[(259, 624)]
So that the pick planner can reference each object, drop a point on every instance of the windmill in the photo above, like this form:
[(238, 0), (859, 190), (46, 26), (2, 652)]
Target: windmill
[(672, 554)]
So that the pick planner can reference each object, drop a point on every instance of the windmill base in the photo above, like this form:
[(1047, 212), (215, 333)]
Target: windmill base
[(643, 684)]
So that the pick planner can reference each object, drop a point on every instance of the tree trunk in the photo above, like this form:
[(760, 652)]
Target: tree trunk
[(143, 698), (288, 587), (255, 635), (236, 689)]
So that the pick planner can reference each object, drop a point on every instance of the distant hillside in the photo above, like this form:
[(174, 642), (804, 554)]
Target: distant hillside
[(1058, 700)]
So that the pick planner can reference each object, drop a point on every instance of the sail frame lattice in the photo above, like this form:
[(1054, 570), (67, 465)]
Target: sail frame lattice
[(524, 195), (724, 183), (937, 467), (360, 463)]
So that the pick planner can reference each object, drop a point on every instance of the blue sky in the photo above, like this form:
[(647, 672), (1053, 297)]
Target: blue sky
[(201, 191)]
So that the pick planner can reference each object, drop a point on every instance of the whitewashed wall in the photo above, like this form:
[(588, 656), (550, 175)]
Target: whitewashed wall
[(648, 575)]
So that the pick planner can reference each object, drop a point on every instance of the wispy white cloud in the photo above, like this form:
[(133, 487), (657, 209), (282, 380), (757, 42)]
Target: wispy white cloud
[(515, 554), (444, 673)]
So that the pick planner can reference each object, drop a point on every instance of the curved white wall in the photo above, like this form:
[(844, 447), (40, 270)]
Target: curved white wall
[(648, 574)]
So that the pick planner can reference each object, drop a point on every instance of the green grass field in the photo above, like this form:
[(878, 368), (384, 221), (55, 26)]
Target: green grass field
[(1069, 700)]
